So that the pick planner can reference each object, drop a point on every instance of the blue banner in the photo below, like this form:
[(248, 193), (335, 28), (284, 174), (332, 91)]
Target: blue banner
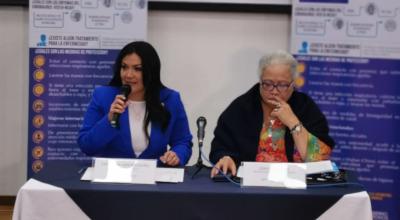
[(349, 64), (62, 81), (73, 45), (361, 100)]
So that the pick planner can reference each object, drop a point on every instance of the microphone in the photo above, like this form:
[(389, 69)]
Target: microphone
[(201, 125), (125, 90)]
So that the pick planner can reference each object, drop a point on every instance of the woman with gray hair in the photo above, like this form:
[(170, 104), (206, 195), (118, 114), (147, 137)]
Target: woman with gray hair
[(272, 122)]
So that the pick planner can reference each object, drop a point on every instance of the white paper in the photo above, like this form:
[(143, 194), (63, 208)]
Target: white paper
[(166, 175), (124, 171), (169, 175), (319, 167), (87, 176), (239, 172), (287, 175)]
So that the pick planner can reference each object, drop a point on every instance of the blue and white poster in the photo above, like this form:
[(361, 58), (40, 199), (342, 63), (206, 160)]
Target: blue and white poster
[(72, 48), (349, 53)]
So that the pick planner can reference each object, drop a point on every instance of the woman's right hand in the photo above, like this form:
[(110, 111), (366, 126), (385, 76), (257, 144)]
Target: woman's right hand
[(117, 106), (225, 164)]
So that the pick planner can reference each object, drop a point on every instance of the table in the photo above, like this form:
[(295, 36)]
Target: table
[(58, 193)]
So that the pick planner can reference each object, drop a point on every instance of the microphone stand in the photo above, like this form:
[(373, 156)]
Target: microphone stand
[(199, 163)]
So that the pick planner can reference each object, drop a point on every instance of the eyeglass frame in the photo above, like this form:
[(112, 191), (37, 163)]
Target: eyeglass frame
[(276, 85)]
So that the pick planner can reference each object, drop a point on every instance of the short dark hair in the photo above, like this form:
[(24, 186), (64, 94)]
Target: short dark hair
[(151, 66)]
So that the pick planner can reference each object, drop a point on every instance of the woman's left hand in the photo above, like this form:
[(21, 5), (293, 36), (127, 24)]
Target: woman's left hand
[(283, 112), (170, 158)]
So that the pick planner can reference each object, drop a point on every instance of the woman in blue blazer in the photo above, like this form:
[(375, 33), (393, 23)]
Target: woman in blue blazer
[(152, 116)]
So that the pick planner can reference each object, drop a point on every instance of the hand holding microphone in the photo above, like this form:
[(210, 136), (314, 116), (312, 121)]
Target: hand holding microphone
[(119, 105)]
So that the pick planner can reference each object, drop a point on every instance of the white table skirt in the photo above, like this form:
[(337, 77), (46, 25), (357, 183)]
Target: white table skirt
[(38, 200), (41, 201), (349, 207)]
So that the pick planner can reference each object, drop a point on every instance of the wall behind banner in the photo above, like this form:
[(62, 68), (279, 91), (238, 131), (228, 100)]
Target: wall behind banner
[(209, 57)]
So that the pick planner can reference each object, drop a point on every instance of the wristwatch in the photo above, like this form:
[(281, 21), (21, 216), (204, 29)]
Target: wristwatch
[(296, 128)]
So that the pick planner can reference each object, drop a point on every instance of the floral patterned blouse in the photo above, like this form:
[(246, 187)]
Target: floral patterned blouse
[(271, 147)]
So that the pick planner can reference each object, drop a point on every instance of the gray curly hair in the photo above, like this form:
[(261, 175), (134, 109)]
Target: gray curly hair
[(278, 57)]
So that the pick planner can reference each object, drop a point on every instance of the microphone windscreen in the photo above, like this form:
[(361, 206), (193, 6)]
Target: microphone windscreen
[(201, 124), (201, 121)]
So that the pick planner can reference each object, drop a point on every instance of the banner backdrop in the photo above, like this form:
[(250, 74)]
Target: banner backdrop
[(72, 48), (349, 55)]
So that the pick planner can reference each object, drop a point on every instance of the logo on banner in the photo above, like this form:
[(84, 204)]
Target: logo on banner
[(37, 152), (42, 41), (37, 136), (39, 61), (38, 89), (141, 4), (304, 47), (38, 75), (37, 165), (76, 15), (338, 23), (38, 105), (38, 121), (300, 80), (371, 9), (107, 3), (126, 17)]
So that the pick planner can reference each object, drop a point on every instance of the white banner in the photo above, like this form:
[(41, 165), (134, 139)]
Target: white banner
[(86, 24)]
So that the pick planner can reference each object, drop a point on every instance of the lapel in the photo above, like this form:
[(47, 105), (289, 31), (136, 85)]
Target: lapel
[(156, 140), (155, 137), (126, 132)]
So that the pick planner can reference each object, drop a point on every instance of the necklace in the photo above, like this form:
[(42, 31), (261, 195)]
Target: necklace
[(271, 130), (273, 144)]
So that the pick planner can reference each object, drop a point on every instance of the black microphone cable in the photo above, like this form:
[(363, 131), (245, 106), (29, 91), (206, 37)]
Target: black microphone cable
[(219, 170)]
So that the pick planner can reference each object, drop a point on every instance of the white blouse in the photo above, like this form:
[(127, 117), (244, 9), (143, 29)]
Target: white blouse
[(137, 111)]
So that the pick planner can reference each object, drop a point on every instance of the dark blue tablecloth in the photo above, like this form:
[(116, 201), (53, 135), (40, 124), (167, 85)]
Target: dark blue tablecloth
[(198, 198)]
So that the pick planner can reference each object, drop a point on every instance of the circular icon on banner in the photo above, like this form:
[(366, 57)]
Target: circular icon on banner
[(141, 4), (390, 25), (371, 8), (76, 15), (338, 23), (37, 136), (39, 61), (38, 105), (299, 82), (37, 165), (38, 75), (126, 17), (107, 3), (38, 121), (37, 152), (38, 89), (301, 68)]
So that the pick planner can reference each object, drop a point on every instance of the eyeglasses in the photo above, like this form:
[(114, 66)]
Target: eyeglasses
[(269, 86)]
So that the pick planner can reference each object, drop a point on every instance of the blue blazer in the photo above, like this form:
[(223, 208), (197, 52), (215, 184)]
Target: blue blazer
[(98, 138)]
